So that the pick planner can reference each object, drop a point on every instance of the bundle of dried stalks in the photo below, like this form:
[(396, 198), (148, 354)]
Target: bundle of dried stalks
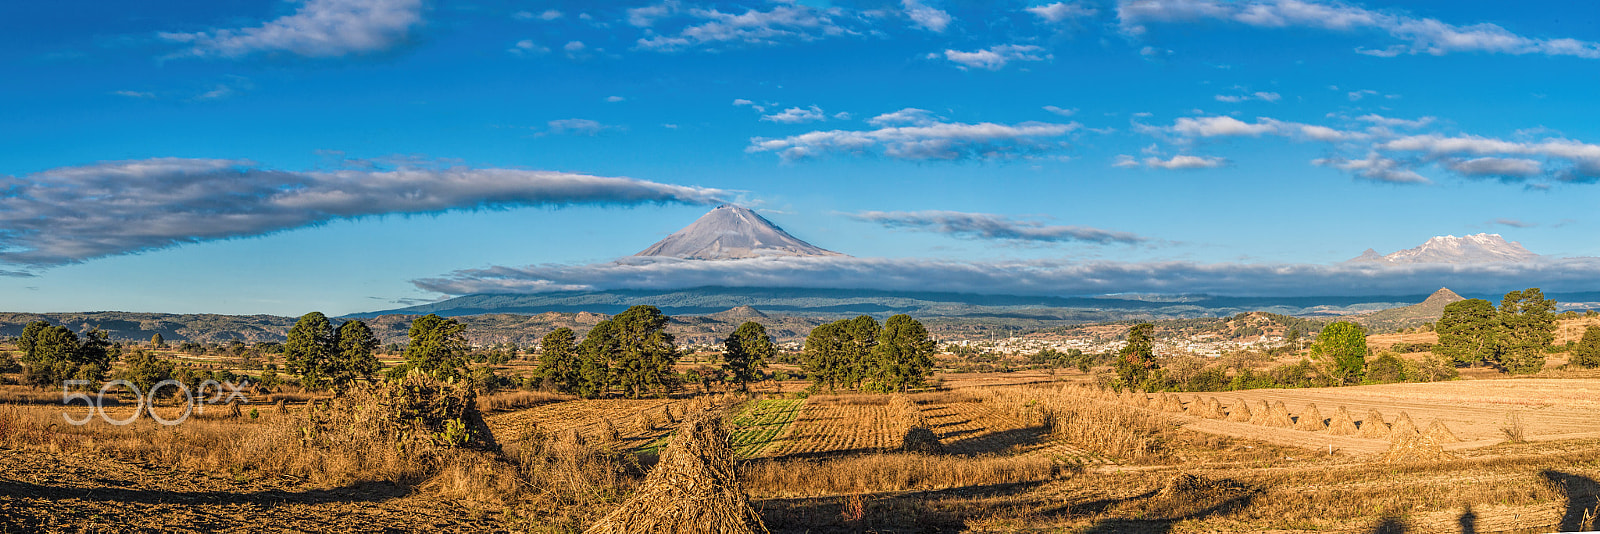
[(1240, 412), (1172, 404), (1373, 426), (1139, 399), (1259, 413), (1278, 416), (1214, 409), (1310, 419), (1416, 448), (1439, 433), (1342, 424), (1402, 428), (693, 489)]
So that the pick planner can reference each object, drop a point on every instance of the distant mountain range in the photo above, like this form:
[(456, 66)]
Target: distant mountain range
[(1427, 311), (1477, 248), (731, 232)]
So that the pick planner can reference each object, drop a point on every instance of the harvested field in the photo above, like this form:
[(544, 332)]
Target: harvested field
[(588, 418)]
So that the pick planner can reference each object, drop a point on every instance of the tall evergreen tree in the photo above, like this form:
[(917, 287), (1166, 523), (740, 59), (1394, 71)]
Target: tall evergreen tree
[(1587, 352), (355, 354), (559, 362), (1527, 326), (861, 336), (1467, 331), (746, 351), (595, 355), (438, 346), (309, 350), (903, 356), (1137, 361), (824, 355), (643, 363), (1341, 352)]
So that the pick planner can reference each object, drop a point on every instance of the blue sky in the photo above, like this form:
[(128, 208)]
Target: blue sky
[(350, 155)]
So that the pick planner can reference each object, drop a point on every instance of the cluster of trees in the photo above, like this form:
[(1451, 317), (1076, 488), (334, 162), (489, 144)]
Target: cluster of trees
[(631, 352), (328, 358), (1512, 338), (1587, 351), (52, 354), (862, 355)]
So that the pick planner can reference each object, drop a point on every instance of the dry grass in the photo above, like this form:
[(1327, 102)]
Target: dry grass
[(1513, 429), (693, 489), (517, 400), (889, 472), (1078, 415)]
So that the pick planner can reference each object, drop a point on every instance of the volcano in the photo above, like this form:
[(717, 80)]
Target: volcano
[(732, 232), (1478, 248)]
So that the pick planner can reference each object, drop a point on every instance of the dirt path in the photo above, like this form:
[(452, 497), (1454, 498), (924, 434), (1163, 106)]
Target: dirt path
[(43, 492)]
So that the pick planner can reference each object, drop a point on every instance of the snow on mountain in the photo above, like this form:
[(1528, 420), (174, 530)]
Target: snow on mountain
[(1478, 248), (731, 232)]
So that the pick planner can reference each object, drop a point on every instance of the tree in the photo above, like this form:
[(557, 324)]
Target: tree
[(646, 352), (1341, 352), (144, 369), (1467, 331), (600, 346), (558, 360), (1136, 361), (746, 351), (52, 354), (438, 347), (309, 350), (157, 342), (903, 356), (355, 354), (1527, 326), (860, 337), (823, 359), (1587, 352)]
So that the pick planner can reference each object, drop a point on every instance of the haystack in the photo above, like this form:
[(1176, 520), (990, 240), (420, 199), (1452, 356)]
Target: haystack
[(1439, 433), (1402, 428), (1139, 399), (921, 439), (1310, 419), (1259, 413), (1342, 424), (1373, 426), (1214, 409), (693, 489), (1240, 412), (1278, 416), (1174, 404), (1416, 448)]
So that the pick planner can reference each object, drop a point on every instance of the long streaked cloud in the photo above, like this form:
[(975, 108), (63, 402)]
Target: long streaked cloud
[(71, 214), (1062, 11), (995, 57), (1415, 35), (1024, 277), (318, 28), (914, 134), (994, 227)]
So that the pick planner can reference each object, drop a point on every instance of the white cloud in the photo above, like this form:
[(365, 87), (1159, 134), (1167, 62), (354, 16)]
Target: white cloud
[(996, 57), (1395, 123), (990, 226), (1358, 95), (1064, 112), (1375, 167), (527, 47), (1062, 11), (1023, 277), (753, 105), (1259, 95), (1220, 126), (925, 138), (550, 14), (1509, 168), (931, 19), (797, 115), (1125, 161), (754, 27), (1417, 35), (614, 99), (645, 17), (134, 94), (71, 214), (576, 126), (319, 28), (1181, 161)]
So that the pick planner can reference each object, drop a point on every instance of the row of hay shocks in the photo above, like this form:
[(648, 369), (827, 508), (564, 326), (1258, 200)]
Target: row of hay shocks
[(1407, 443)]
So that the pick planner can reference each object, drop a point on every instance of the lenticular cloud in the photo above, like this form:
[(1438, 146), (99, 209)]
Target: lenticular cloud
[(72, 214)]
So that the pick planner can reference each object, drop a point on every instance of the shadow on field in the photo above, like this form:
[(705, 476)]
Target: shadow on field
[(364, 492), (992, 443), (917, 511), (1166, 522), (1583, 494)]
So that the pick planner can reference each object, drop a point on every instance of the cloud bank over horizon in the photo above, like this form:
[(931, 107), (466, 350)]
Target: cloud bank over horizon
[(1024, 277), (72, 214)]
